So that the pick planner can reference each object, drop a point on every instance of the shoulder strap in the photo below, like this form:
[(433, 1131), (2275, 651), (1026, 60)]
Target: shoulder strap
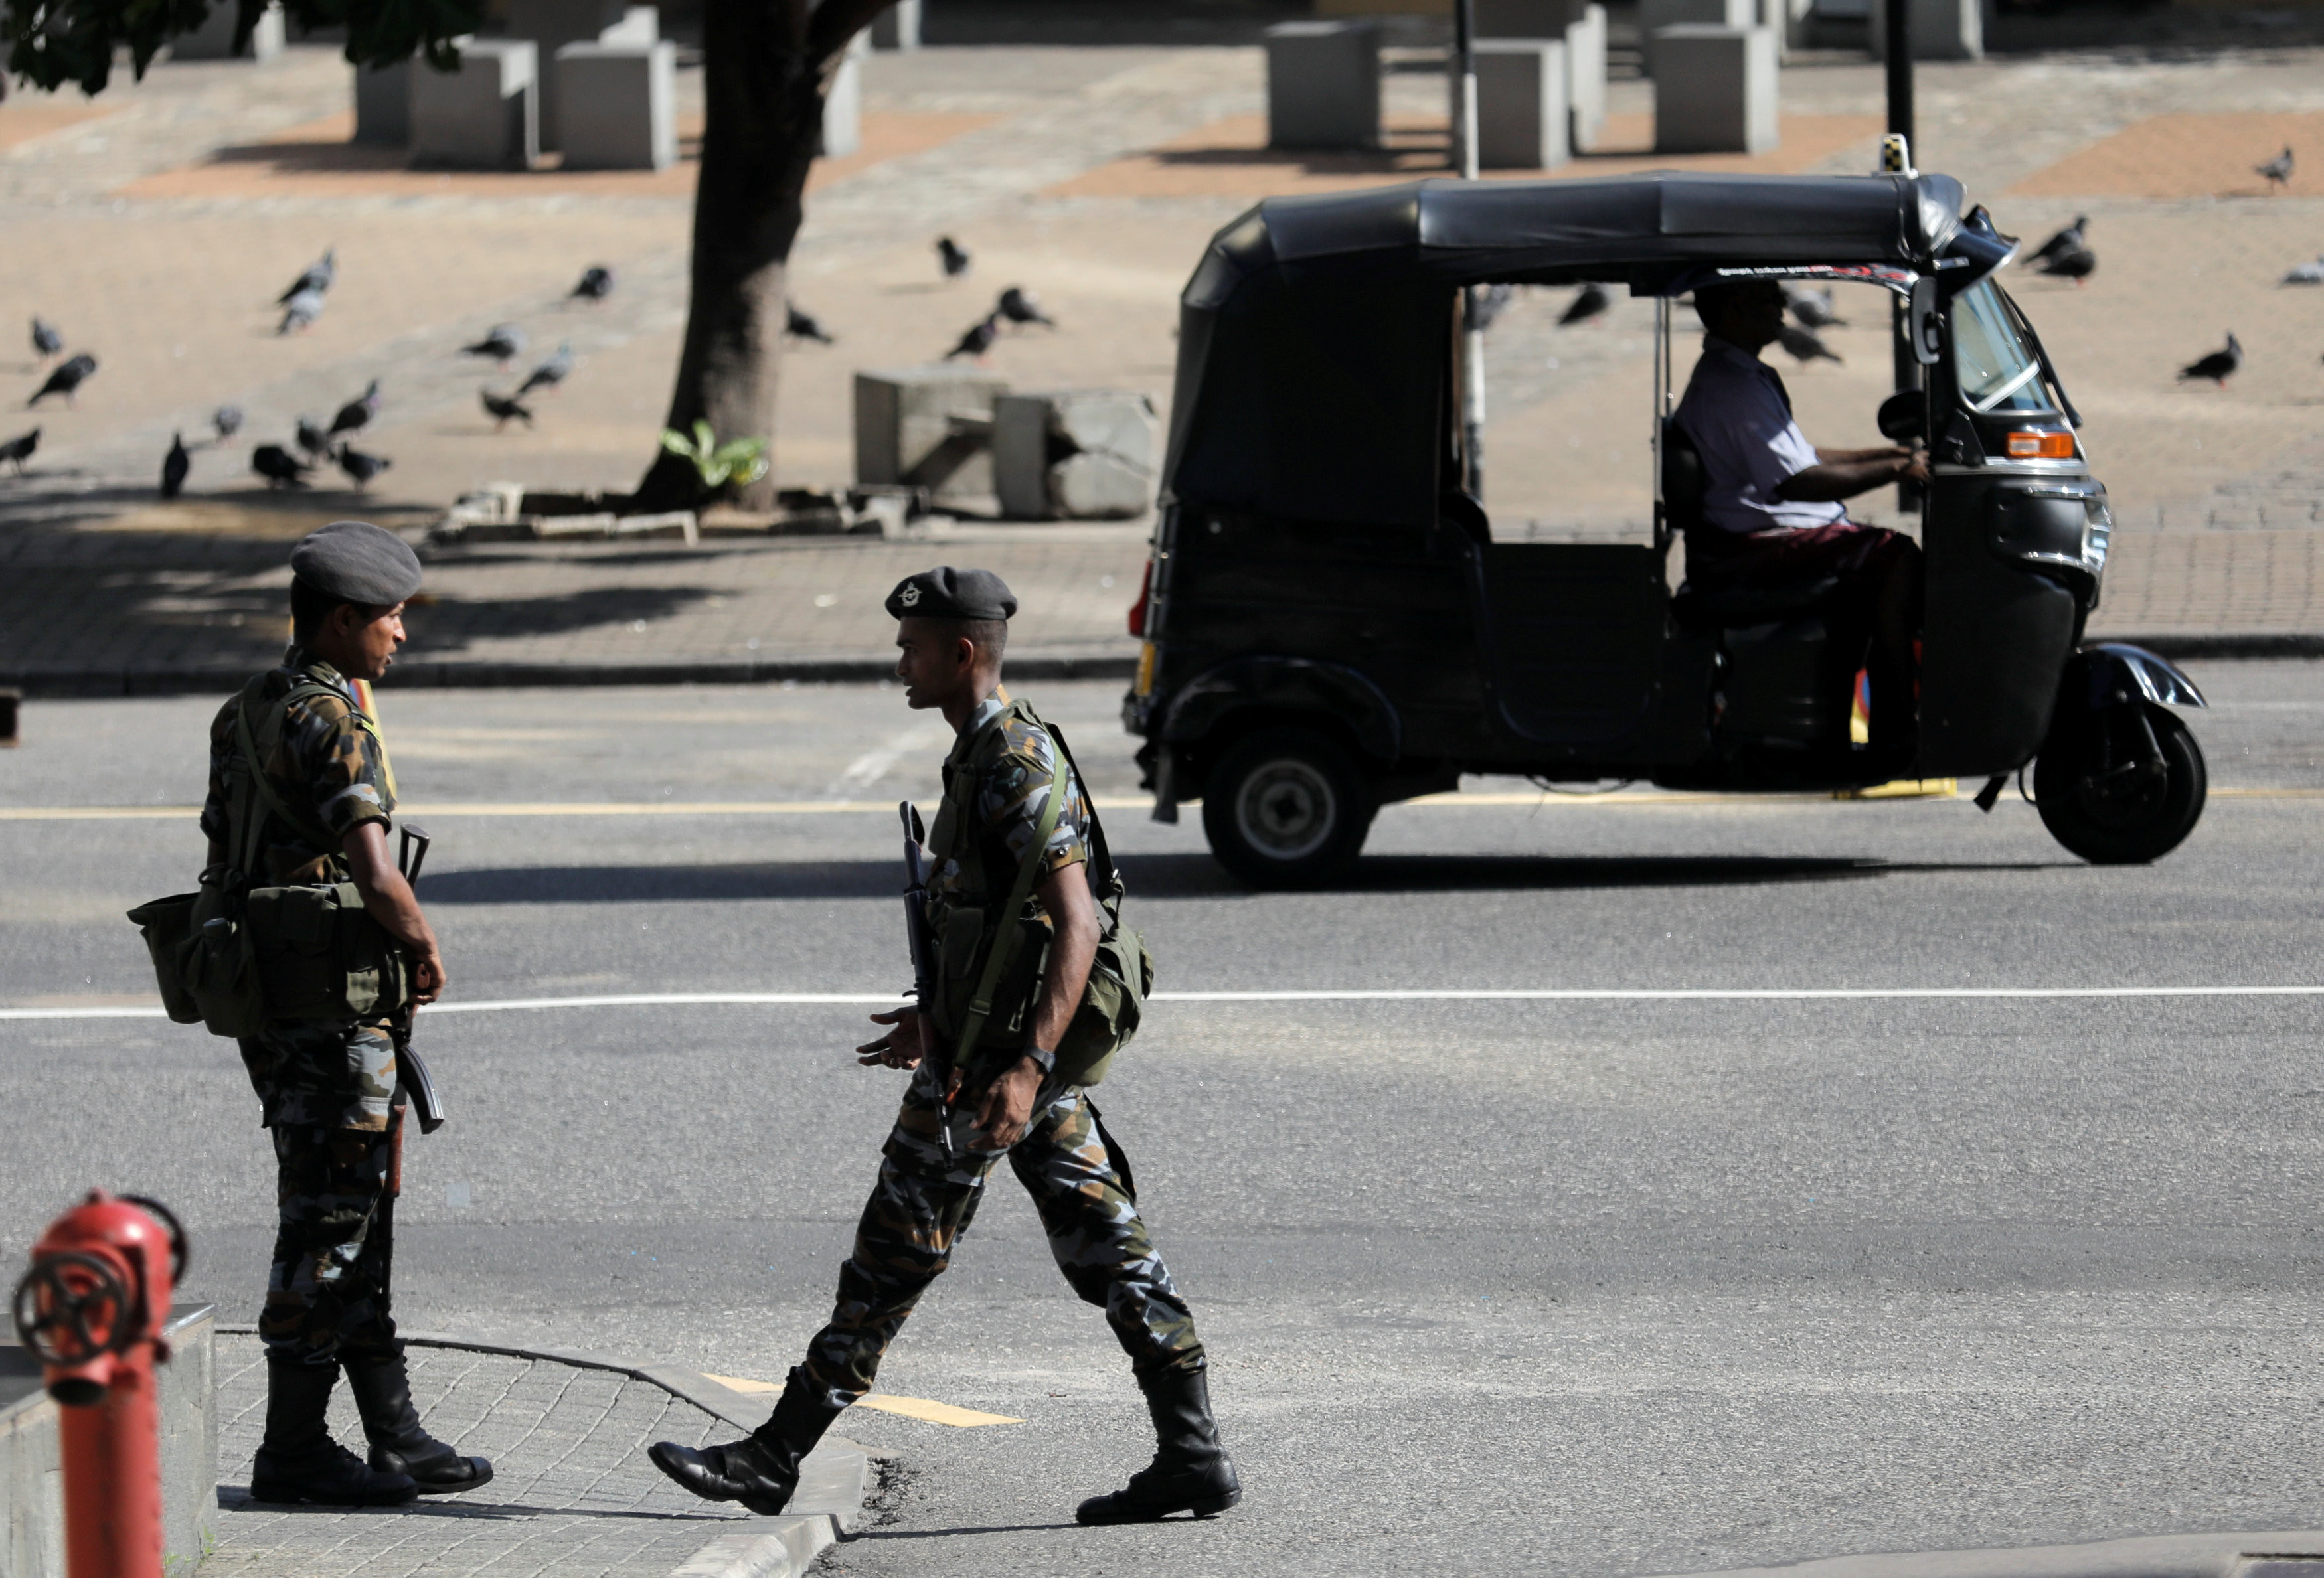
[(304, 826), (1007, 936), (1102, 874)]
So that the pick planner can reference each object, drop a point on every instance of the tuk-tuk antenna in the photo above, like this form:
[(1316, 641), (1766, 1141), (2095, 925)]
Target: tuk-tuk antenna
[(1472, 337)]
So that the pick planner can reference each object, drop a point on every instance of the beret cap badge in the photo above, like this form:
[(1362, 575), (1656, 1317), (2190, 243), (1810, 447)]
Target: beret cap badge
[(946, 593)]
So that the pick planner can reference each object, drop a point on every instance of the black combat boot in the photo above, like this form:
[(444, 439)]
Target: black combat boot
[(300, 1461), (761, 1469), (1190, 1472), (399, 1445)]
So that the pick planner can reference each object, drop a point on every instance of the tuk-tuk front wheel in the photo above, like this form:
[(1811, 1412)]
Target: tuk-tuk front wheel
[(1286, 808), (2111, 798)]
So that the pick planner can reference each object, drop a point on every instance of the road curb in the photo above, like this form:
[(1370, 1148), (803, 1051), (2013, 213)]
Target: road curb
[(2275, 1554), (833, 1481)]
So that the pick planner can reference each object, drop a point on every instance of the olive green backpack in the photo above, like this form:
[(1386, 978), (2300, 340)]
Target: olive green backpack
[(230, 955)]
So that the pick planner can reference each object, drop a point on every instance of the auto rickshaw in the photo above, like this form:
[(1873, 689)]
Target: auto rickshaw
[(1330, 627)]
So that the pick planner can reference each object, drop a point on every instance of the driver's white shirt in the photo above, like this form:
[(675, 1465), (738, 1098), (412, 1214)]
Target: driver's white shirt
[(1742, 427)]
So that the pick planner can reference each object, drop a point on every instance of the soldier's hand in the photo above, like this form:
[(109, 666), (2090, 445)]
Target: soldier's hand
[(427, 977), (900, 1047), (1008, 1107)]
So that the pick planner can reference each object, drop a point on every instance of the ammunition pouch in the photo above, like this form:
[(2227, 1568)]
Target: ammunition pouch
[(320, 955)]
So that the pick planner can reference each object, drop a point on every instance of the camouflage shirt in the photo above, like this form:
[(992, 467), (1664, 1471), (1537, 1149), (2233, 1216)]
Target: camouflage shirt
[(1009, 799), (329, 762)]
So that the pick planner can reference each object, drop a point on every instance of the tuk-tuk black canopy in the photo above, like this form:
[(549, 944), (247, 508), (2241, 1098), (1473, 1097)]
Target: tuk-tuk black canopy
[(1315, 337)]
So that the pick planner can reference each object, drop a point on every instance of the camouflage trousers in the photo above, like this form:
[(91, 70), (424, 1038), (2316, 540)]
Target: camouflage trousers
[(1081, 1184)]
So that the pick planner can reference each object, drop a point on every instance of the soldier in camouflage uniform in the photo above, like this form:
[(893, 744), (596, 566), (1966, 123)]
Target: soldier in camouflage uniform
[(326, 1088), (962, 1113)]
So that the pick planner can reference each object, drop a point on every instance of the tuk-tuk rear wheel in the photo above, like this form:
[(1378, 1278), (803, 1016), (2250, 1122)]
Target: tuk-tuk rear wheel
[(2142, 818), (1286, 807)]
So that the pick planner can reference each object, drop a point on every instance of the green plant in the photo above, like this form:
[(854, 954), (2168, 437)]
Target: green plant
[(736, 462)]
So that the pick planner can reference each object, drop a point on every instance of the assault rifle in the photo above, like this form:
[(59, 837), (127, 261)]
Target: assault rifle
[(922, 945), (410, 1068)]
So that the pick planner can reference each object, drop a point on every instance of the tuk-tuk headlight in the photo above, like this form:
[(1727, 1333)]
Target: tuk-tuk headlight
[(2098, 532)]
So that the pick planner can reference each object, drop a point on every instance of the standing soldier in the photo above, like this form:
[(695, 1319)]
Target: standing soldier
[(296, 752), (987, 1079)]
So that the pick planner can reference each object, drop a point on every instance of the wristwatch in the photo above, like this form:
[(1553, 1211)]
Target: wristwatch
[(1045, 1057)]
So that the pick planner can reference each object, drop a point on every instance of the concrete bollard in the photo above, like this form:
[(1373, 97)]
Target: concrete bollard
[(1525, 19), (483, 114), (1078, 454), (898, 27), (926, 427), (1714, 89), (843, 107), (383, 104), (550, 26), (1942, 30), (1521, 109), (618, 104), (1323, 85), (214, 40), (1654, 15), (639, 25), (1585, 79)]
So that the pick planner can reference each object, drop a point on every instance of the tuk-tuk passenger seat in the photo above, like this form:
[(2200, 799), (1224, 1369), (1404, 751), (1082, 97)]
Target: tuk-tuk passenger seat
[(1723, 607)]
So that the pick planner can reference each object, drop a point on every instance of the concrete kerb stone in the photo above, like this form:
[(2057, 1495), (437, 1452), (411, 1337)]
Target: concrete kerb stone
[(827, 1508), (2276, 1553)]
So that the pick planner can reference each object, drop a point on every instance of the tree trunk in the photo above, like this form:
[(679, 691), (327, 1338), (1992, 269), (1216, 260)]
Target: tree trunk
[(766, 68)]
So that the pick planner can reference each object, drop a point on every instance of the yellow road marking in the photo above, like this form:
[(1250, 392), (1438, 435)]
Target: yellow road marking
[(909, 1408)]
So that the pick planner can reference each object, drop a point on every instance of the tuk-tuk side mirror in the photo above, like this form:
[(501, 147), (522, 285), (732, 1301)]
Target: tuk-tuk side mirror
[(1904, 416), (1927, 325)]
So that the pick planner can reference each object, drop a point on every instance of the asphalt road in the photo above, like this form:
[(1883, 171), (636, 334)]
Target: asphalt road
[(1585, 1287)]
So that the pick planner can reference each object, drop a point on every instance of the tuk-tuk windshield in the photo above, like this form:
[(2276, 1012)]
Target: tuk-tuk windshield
[(1997, 369)]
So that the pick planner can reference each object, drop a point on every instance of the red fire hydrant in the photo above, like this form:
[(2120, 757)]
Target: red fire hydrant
[(93, 1306)]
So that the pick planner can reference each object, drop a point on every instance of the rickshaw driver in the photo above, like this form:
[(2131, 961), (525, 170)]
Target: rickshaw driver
[(1771, 510)]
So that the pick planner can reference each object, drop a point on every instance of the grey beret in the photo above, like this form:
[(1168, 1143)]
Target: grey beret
[(355, 561), (946, 593)]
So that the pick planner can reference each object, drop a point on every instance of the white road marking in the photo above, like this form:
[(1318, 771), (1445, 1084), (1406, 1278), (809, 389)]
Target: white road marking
[(1417, 995), (872, 766)]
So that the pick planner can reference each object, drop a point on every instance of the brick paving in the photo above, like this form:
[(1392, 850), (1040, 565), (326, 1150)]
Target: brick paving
[(572, 1492)]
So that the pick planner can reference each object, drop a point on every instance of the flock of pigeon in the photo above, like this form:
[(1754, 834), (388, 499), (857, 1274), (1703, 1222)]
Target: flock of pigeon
[(288, 465), (1016, 306)]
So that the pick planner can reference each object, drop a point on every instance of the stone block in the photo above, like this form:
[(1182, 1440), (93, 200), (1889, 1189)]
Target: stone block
[(898, 27), (843, 105), (484, 113), (1714, 89), (1075, 455), (926, 427), (1654, 15), (619, 106), (640, 24), (214, 40), (187, 1390), (1942, 30), (383, 104), (550, 26), (1525, 19), (1585, 79), (1521, 114), (1323, 85)]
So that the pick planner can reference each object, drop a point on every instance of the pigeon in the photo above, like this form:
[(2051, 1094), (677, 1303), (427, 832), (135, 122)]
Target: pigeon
[(1805, 347), (19, 449), (955, 257), (174, 467), (278, 465), (65, 379), (2070, 239), (356, 412), (503, 341), (978, 339), (359, 466), (2218, 366), (1588, 303), (596, 283), (502, 407), (312, 439), (2076, 264), (46, 341), (1018, 305), (2276, 171), (1813, 309), (227, 420), (300, 312), (550, 373), (316, 281), (2307, 273), (802, 325), (1489, 304)]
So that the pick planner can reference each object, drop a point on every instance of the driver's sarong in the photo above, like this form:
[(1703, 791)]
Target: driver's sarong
[(1860, 556)]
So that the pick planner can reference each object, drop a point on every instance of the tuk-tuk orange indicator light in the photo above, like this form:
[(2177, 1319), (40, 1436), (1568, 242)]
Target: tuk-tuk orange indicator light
[(1144, 597), (2025, 445)]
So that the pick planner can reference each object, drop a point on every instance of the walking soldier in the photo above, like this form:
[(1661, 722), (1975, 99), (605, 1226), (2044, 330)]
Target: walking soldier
[(1032, 985), (300, 794)]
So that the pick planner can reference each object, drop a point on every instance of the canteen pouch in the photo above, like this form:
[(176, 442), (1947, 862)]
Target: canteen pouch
[(203, 960), (320, 955), (1113, 1004)]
